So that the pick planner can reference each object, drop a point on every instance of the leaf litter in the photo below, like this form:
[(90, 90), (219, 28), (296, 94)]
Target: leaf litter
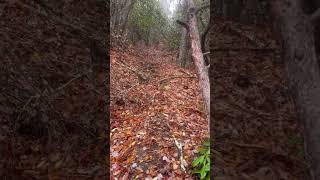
[(255, 131), (153, 121)]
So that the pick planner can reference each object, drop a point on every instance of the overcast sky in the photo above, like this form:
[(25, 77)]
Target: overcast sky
[(169, 6), (173, 5)]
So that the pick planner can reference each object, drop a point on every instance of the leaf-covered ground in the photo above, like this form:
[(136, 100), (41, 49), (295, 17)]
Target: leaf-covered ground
[(153, 103), (255, 126), (53, 99)]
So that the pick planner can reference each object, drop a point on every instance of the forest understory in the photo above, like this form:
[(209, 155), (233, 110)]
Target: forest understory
[(155, 107), (255, 128)]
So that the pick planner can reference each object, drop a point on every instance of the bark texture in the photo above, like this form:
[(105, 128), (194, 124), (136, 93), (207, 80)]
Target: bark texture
[(184, 54), (298, 43), (197, 57)]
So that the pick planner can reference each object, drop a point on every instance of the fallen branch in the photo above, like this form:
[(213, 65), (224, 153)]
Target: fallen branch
[(173, 77), (183, 163), (179, 146), (139, 74)]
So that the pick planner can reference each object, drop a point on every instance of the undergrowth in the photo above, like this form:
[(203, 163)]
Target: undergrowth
[(201, 165)]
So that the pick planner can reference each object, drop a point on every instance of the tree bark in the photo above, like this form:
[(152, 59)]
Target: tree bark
[(197, 57), (184, 55), (298, 43)]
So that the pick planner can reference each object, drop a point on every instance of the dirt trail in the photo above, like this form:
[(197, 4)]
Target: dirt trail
[(255, 125), (148, 113)]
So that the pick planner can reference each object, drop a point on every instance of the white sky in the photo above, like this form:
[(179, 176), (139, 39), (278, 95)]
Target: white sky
[(172, 6)]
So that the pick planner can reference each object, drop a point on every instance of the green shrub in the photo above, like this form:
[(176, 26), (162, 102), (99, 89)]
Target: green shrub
[(201, 165)]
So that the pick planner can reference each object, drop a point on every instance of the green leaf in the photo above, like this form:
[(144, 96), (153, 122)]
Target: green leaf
[(203, 162), (203, 173), (207, 167), (206, 144), (202, 150), (208, 160), (197, 161), (208, 152)]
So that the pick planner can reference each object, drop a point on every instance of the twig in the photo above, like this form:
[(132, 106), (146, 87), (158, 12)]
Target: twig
[(71, 80), (179, 146)]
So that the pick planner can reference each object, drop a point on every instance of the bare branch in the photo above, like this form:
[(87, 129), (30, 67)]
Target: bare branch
[(185, 25)]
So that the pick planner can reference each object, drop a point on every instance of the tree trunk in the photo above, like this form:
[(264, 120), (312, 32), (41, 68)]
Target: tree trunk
[(183, 48), (197, 57), (184, 54), (296, 32), (124, 25)]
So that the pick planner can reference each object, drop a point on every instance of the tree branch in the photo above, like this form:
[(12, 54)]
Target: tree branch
[(185, 25)]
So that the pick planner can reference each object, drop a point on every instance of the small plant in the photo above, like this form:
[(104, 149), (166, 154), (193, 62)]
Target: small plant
[(201, 165)]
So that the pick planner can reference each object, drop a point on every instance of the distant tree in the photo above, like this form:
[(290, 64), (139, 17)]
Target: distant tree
[(147, 21)]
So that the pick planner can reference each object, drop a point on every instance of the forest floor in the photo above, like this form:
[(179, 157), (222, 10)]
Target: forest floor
[(155, 105), (255, 127)]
